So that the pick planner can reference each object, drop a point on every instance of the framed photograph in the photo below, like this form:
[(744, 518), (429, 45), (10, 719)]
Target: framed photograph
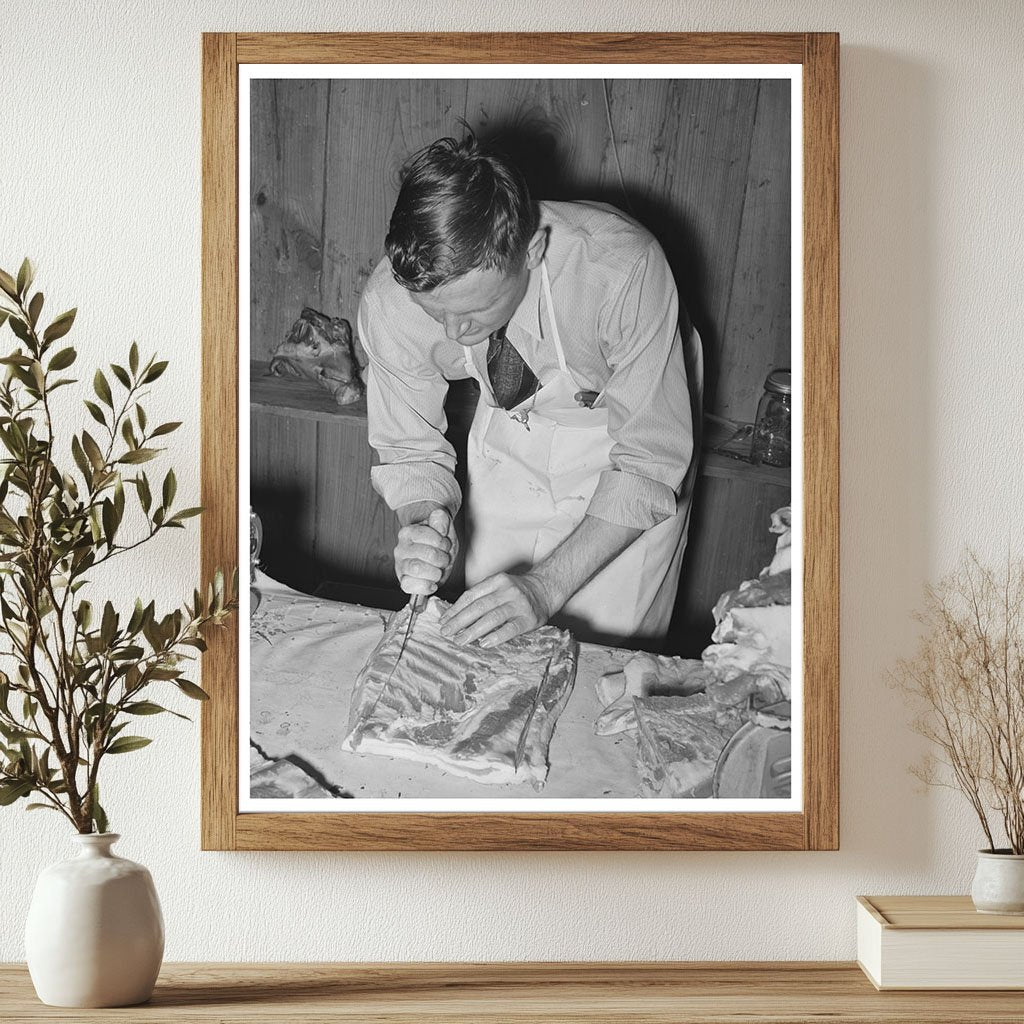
[(520, 406)]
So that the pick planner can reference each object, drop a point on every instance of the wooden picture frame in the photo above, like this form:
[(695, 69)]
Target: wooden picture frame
[(816, 826)]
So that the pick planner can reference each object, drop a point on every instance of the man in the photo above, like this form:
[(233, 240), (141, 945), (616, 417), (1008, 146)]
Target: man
[(578, 457)]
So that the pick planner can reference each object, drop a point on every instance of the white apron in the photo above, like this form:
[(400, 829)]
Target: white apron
[(528, 490)]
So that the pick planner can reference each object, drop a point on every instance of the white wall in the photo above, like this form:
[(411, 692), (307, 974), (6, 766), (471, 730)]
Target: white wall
[(100, 183)]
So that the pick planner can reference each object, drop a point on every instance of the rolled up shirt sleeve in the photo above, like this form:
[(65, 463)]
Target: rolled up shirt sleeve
[(405, 418), (648, 399)]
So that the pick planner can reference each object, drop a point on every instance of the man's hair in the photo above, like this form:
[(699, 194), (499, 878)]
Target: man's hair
[(462, 206)]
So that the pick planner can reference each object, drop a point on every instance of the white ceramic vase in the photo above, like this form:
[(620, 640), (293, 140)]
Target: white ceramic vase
[(95, 933), (999, 882)]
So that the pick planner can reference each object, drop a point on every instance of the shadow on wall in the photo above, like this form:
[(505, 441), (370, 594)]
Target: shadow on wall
[(888, 273), (533, 142)]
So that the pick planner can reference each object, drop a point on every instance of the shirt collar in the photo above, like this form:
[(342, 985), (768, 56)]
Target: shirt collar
[(527, 314)]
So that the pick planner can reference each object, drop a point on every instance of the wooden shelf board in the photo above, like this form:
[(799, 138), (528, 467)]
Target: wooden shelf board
[(528, 993)]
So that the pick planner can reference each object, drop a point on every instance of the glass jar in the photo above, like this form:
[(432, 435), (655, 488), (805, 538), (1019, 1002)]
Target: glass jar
[(771, 442)]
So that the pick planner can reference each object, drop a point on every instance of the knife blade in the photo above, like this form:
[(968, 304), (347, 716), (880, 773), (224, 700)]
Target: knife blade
[(416, 605), (521, 745)]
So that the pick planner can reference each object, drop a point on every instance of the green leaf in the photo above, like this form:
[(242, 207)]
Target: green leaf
[(20, 328), (63, 359), (125, 744), (41, 807), (84, 614), (95, 412), (191, 690), (8, 284), (60, 326), (34, 308), (154, 372), (92, 449), (140, 415), (99, 816), (133, 358), (170, 487), (14, 790), (108, 626), (4, 314), (145, 707), (145, 497), (26, 273), (109, 521), (128, 433), (80, 459), (121, 374), (102, 388), (138, 455), (185, 513), (165, 428)]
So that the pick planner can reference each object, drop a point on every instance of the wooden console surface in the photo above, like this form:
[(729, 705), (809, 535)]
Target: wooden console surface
[(525, 993)]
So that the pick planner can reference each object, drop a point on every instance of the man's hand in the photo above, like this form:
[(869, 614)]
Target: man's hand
[(497, 609), (503, 606), (425, 552)]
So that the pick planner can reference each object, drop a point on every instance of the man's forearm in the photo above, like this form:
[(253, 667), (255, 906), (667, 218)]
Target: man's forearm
[(580, 557)]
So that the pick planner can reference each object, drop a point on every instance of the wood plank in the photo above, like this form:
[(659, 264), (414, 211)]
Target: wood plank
[(525, 993), (296, 396), (684, 148), (285, 206), (444, 831), (355, 531), (282, 490), (821, 440), (520, 47), (219, 428), (756, 333), (374, 126)]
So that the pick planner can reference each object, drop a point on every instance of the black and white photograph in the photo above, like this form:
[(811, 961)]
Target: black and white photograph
[(521, 471)]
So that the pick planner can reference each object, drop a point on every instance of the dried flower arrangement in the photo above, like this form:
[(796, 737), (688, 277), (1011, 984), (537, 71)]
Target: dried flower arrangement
[(967, 679)]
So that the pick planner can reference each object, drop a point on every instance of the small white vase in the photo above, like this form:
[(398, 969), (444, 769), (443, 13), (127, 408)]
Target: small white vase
[(95, 933), (999, 882)]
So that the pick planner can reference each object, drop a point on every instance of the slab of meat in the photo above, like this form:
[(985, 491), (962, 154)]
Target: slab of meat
[(462, 709), (678, 743)]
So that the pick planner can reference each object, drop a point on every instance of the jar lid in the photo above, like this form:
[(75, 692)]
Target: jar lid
[(779, 381)]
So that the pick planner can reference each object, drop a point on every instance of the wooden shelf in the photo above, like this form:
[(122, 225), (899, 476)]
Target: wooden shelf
[(291, 396), (659, 993), (287, 396)]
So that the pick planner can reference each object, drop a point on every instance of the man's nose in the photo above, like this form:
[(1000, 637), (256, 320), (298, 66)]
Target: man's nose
[(455, 327)]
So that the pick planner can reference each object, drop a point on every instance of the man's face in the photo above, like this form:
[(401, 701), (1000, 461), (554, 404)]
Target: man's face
[(473, 306)]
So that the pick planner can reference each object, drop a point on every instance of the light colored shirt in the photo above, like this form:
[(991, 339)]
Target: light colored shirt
[(617, 314)]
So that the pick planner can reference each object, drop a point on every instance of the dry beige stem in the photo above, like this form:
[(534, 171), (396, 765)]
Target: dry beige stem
[(966, 682)]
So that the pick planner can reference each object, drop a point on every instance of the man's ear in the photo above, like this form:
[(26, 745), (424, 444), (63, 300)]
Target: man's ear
[(535, 250)]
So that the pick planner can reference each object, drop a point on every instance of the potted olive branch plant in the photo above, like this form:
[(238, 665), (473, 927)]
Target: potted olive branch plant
[(966, 681), (74, 672)]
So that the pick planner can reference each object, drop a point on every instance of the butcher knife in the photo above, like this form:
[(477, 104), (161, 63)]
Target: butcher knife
[(521, 745), (439, 520)]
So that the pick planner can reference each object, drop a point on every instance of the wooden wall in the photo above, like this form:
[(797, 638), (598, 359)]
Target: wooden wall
[(703, 164)]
